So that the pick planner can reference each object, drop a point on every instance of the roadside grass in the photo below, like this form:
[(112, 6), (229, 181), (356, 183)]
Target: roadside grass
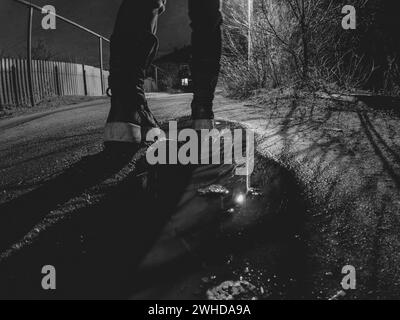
[(348, 157)]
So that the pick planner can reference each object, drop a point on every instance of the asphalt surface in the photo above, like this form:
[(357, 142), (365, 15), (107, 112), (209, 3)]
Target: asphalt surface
[(66, 203), (54, 183), (36, 146)]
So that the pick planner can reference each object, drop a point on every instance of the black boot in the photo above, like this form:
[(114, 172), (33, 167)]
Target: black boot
[(130, 118)]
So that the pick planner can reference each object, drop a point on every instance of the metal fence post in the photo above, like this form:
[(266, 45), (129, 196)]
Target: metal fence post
[(29, 57), (101, 38), (101, 64)]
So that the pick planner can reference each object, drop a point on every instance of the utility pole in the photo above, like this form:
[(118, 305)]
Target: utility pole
[(250, 6)]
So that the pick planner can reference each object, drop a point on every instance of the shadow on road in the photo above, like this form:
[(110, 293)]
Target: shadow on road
[(349, 155), (19, 216), (380, 146), (152, 229)]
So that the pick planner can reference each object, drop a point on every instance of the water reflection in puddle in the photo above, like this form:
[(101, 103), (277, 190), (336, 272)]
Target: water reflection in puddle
[(227, 229)]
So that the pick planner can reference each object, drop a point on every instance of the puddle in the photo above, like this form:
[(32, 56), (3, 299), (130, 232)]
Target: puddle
[(233, 233), (161, 234)]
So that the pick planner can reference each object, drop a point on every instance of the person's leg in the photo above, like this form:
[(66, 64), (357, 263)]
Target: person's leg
[(206, 20), (133, 47)]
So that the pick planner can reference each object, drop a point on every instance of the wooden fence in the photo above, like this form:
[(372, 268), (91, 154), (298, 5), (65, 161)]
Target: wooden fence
[(49, 78)]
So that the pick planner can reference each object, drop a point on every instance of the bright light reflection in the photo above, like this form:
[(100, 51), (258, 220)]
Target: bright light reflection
[(240, 199)]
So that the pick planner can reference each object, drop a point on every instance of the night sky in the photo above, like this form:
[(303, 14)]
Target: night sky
[(68, 43)]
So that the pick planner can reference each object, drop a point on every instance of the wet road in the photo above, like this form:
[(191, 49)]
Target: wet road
[(58, 195), (65, 203), (38, 145)]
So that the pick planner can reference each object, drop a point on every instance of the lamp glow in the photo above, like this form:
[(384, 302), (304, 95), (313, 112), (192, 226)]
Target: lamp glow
[(240, 199)]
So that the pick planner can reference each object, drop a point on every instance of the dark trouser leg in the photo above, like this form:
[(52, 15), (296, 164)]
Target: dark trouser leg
[(207, 46), (133, 47)]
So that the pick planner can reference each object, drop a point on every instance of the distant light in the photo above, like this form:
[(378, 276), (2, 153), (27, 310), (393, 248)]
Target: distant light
[(185, 82), (241, 198)]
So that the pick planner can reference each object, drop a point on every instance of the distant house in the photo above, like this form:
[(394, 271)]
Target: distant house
[(174, 70)]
